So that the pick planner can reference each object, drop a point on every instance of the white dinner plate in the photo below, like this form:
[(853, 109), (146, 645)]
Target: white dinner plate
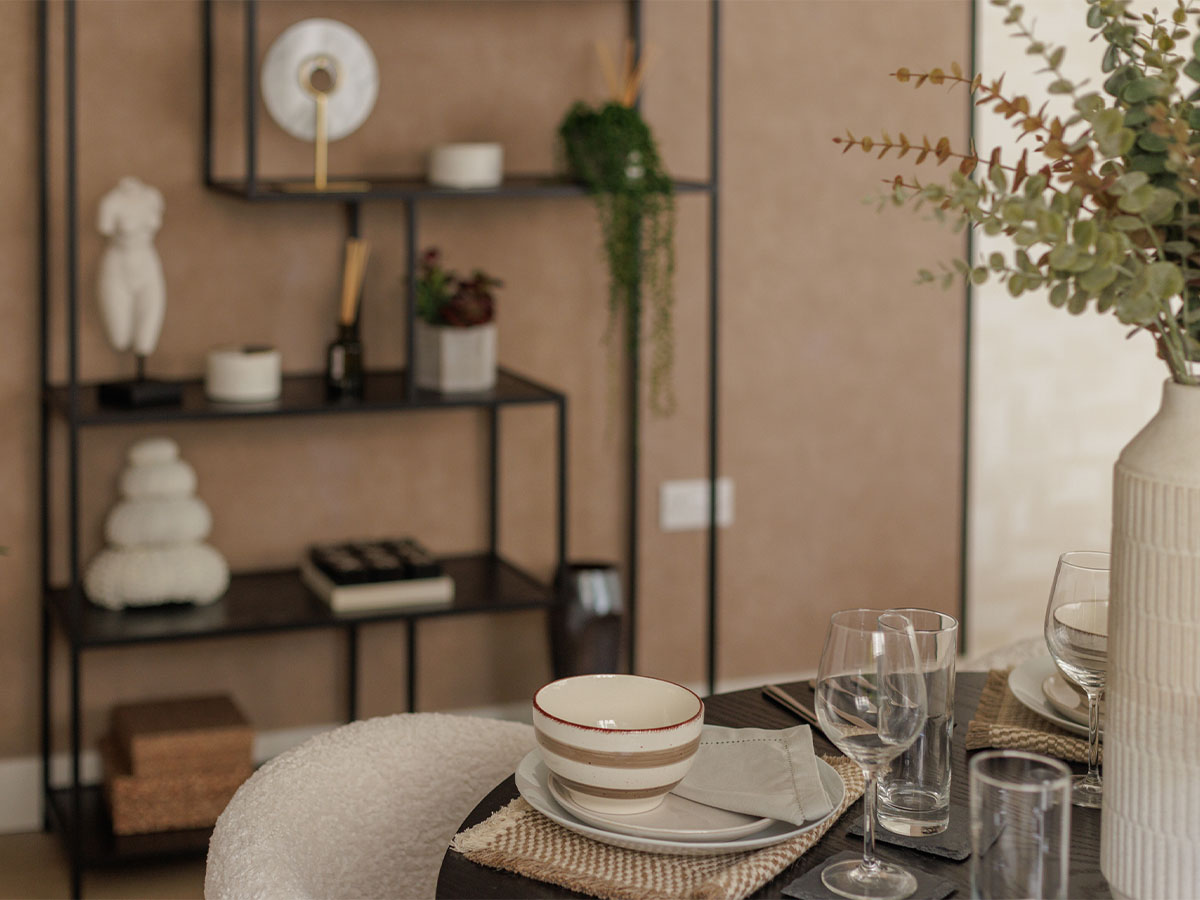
[(1026, 680), (675, 819), (1068, 699), (533, 784)]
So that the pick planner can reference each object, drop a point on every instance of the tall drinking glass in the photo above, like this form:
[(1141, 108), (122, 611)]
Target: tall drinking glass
[(1020, 826), (1077, 635), (870, 701), (914, 791)]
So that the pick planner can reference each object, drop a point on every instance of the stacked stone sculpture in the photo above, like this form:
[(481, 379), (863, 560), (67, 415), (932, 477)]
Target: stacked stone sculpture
[(155, 534)]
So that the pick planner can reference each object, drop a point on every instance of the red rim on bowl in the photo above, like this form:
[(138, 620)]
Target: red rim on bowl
[(559, 719)]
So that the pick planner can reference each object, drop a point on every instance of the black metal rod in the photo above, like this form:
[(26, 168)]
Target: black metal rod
[(353, 218), (251, 97), (493, 506), (206, 101), (562, 483), (351, 673), (714, 321), (76, 830), (72, 287), (965, 482), (633, 327), (412, 665), (43, 132), (410, 299)]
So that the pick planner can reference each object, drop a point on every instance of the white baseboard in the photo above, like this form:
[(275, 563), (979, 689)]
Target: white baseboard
[(21, 777)]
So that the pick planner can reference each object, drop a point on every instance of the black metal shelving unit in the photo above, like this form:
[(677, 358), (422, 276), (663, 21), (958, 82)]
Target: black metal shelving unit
[(277, 601)]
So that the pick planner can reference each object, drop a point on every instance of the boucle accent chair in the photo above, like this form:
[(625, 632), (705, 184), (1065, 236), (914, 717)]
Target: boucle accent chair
[(365, 810)]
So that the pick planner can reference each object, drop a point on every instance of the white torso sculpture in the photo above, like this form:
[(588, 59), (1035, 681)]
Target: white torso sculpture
[(132, 292)]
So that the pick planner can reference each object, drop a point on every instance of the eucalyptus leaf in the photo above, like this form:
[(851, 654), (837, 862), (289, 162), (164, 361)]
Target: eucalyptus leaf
[(1137, 308), (1064, 256), (1129, 182), (1107, 298), (1059, 293), (1078, 303), (1137, 200), (1085, 232), (1097, 279)]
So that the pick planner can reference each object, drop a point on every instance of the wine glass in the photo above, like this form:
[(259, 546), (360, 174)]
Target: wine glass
[(871, 703), (1077, 635)]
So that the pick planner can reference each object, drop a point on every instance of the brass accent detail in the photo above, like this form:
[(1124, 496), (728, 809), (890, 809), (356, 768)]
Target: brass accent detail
[(643, 759)]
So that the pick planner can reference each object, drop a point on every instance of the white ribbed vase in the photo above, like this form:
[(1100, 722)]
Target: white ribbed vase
[(1150, 838)]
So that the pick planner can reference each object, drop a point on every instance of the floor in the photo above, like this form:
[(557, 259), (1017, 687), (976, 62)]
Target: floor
[(34, 867)]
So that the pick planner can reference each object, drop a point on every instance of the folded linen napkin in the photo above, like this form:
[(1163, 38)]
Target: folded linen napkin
[(1001, 720), (759, 771), (517, 838)]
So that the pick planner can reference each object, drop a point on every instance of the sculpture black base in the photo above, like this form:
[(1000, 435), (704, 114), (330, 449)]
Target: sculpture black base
[(140, 392)]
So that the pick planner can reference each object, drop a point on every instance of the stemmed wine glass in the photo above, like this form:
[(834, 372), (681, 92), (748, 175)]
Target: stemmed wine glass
[(871, 703), (1077, 635)]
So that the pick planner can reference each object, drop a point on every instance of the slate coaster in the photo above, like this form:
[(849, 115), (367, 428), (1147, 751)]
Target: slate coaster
[(953, 843), (809, 887)]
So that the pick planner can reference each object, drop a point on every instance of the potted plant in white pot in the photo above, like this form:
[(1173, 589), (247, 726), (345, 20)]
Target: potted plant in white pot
[(1102, 211), (456, 328)]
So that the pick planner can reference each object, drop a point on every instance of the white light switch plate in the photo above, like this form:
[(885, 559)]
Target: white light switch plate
[(683, 505)]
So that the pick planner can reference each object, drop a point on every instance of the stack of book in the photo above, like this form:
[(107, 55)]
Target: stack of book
[(362, 576)]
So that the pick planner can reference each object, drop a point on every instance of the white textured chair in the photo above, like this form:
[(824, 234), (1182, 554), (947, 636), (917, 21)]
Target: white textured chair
[(364, 810)]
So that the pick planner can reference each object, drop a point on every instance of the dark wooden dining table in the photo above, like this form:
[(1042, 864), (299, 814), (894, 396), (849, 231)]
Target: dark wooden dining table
[(460, 878)]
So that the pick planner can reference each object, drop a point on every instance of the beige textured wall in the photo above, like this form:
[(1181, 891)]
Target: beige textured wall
[(840, 383)]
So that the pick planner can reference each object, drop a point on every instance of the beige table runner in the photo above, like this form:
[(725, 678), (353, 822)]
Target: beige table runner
[(519, 839), (1003, 721)]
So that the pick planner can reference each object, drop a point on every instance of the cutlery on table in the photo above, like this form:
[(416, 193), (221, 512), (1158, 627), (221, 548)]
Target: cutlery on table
[(778, 695)]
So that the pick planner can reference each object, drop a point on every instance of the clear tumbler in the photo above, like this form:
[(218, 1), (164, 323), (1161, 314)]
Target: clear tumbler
[(1020, 826), (914, 791)]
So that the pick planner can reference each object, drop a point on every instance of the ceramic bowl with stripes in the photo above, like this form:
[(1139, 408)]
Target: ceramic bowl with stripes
[(618, 743)]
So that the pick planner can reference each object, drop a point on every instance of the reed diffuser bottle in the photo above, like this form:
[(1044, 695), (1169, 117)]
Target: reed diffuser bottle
[(344, 360)]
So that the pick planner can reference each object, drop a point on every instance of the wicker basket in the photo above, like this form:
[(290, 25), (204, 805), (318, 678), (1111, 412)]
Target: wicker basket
[(140, 804), (174, 764), (183, 736)]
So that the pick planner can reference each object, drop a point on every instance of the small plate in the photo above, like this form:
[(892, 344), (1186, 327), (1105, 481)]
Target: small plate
[(1025, 681), (675, 819), (533, 784), (1068, 699)]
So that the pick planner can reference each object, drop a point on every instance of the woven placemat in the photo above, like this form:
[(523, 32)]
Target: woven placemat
[(1003, 721), (517, 838)]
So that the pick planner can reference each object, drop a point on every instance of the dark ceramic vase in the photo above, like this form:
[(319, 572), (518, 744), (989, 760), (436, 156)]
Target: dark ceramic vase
[(587, 619)]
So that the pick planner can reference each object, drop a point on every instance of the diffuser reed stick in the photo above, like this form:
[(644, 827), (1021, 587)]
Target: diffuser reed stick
[(624, 85), (357, 251)]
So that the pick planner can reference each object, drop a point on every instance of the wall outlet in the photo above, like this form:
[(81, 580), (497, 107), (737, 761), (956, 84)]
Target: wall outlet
[(683, 505)]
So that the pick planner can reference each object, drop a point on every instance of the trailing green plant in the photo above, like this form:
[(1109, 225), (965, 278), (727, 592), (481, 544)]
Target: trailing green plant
[(613, 152), (445, 299), (1107, 215)]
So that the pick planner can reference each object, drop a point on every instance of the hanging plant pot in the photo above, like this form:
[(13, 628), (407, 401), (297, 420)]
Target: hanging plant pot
[(613, 152)]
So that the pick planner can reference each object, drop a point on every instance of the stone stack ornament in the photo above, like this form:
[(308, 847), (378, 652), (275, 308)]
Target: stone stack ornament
[(156, 552)]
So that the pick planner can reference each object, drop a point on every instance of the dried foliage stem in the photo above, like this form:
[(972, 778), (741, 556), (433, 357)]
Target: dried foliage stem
[(1106, 217)]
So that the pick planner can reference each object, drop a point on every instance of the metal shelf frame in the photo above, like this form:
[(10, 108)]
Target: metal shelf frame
[(75, 810)]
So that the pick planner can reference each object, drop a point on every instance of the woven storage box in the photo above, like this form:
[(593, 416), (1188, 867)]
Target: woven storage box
[(141, 804), (183, 736)]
